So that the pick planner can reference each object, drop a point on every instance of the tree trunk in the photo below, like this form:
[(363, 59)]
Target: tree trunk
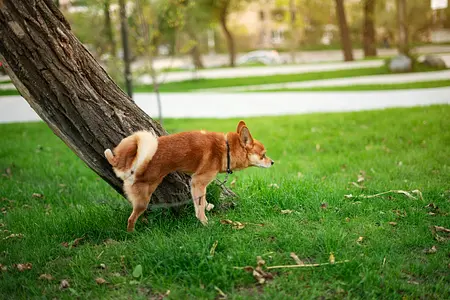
[(125, 47), (403, 46), (343, 29), (230, 41), (369, 40), (109, 29), (292, 10), (69, 90)]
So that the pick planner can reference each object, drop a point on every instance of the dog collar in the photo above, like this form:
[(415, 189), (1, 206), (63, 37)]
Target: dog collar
[(228, 158)]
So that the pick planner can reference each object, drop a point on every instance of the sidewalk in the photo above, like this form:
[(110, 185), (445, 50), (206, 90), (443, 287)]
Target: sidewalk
[(216, 105)]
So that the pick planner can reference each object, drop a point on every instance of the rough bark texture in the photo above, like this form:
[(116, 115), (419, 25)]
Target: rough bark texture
[(403, 46), (343, 29), (369, 39), (69, 90), (223, 23)]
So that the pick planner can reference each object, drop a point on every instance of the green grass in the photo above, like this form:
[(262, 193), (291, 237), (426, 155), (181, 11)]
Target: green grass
[(403, 149), (197, 84), (367, 87)]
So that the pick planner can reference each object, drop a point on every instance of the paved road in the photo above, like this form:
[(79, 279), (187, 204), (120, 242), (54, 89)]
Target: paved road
[(213, 105), (351, 81)]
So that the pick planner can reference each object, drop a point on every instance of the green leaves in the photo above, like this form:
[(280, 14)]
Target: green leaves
[(137, 272)]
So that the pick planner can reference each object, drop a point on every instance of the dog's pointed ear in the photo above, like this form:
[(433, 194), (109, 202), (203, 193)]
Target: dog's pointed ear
[(246, 137), (240, 125)]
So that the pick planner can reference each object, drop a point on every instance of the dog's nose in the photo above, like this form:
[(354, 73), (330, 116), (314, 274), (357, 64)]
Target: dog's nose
[(272, 162)]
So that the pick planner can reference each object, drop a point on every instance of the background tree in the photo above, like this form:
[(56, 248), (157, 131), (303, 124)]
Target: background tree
[(369, 33), (125, 47), (109, 32), (403, 46), (346, 43)]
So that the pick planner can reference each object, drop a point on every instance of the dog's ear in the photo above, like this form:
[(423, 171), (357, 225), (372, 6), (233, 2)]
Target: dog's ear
[(246, 137), (240, 125)]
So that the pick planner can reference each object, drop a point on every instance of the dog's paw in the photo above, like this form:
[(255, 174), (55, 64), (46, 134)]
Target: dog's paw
[(209, 206), (204, 221)]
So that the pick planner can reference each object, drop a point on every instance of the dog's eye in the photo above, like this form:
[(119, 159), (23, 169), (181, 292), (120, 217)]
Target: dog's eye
[(263, 156)]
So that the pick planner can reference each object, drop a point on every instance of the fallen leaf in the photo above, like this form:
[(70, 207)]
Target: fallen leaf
[(137, 272), (72, 244), (2, 225), (349, 196), (103, 266), (431, 213), (23, 267), (360, 239), (226, 221), (432, 250), (413, 282), (393, 223), (297, 260), (361, 176), (7, 173), (14, 235), (222, 295), (418, 193), (238, 225), (357, 185), (37, 195), (233, 182), (3, 268), (442, 229), (347, 219), (110, 242), (286, 211), (46, 277), (64, 284), (331, 259), (100, 281), (65, 244), (212, 251), (400, 163), (274, 185), (323, 205)]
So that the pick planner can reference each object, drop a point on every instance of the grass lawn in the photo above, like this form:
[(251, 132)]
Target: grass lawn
[(367, 87), (317, 157)]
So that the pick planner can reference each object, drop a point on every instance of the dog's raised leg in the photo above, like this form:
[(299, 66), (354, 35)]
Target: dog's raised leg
[(139, 195), (198, 188)]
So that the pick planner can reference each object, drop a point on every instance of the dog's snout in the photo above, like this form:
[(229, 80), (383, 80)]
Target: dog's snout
[(272, 162)]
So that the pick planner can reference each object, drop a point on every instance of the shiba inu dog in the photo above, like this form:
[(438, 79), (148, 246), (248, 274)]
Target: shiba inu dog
[(142, 160)]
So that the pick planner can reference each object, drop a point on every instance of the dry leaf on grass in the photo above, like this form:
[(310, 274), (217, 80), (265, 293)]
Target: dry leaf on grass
[(37, 195), (3, 268), (286, 211), (23, 267), (46, 277), (324, 205), (274, 185), (212, 251), (72, 244), (222, 295), (357, 185), (432, 250), (100, 281), (14, 235), (233, 182), (102, 266), (297, 260), (2, 225), (64, 284), (393, 223), (7, 173), (360, 239), (361, 176), (442, 229), (331, 259), (236, 224)]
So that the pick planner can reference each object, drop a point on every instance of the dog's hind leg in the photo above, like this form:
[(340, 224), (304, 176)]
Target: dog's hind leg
[(139, 195)]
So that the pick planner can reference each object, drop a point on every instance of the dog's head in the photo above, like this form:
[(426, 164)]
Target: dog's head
[(256, 153)]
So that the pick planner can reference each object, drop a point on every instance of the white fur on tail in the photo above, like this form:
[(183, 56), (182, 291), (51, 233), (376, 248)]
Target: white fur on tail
[(146, 149), (147, 144)]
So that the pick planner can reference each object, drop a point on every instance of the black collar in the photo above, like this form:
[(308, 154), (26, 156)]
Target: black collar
[(228, 158)]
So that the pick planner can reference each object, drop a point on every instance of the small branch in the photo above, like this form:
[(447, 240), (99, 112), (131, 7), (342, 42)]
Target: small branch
[(306, 265)]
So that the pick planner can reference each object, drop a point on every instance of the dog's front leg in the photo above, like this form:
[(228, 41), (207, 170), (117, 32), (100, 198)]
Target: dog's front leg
[(198, 185)]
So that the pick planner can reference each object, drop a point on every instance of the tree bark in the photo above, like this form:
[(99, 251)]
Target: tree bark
[(343, 29), (403, 46), (70, 91), (109, 29), (230, 40), (369, 39)]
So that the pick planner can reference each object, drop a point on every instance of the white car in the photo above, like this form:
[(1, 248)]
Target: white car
[(266, 57)]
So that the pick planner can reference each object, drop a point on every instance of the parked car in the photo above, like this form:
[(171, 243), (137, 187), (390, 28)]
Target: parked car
[(266, 57)]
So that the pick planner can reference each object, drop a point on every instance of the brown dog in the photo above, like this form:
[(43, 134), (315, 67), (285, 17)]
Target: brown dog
[(142, 161)]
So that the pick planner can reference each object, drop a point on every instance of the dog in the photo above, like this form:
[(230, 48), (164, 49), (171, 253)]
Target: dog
[(142, 160)]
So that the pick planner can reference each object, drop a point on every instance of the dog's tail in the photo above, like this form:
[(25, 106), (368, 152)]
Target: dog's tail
[(133, 154)]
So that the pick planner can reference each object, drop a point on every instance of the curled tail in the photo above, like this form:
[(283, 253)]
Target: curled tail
[(133, 154)]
